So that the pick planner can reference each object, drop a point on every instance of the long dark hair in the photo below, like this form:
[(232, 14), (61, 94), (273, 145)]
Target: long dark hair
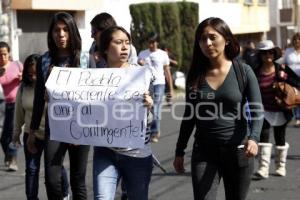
[(106, 37), (29, 62), (200, 62), (75, 39)]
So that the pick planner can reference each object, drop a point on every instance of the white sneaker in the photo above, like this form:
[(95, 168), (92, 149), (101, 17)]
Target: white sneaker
[(67, 197)]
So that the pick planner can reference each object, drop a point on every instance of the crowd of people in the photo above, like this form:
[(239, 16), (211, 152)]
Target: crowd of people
[(224, 146)]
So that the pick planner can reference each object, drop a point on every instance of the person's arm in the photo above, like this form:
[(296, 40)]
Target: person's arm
[(256, 110), (19, 117), (187, 124), (291, 77), (173, 62), (186, 129), (38, 100), (141, 58), (169, 78), (255, 104)]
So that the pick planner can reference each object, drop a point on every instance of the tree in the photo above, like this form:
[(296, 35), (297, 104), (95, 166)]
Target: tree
[(174, 22)]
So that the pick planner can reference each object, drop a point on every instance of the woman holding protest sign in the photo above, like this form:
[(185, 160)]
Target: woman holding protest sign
[(109, 164), (64, 44), (224, 144)]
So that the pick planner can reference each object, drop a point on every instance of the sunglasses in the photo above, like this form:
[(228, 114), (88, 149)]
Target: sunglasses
[(264, 52)]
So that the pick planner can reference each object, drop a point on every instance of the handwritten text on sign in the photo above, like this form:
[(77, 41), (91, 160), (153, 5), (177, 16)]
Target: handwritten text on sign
[(101, 107)]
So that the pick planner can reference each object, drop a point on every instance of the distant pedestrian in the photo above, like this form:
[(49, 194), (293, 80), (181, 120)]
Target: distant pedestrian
[(292, 59), (173, 67), (10, 77), (249, 55), (224, 145), (268, 73), (159, 61)]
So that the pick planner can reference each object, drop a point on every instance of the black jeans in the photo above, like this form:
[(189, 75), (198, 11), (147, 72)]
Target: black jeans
[(32, 170), (210, 163), (54, 155), (279, 133), (7, 131)]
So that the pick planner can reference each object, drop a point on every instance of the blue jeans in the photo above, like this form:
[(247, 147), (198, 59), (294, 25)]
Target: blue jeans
[(7, 131), (158, 92), (109, 167), (211, 162), (297, 112), (32, 170)]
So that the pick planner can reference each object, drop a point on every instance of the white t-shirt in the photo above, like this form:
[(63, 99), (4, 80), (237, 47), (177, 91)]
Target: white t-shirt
[(156, 60), (292, 59)]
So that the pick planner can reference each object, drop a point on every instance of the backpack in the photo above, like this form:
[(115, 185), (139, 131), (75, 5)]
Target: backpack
[(241, 77)]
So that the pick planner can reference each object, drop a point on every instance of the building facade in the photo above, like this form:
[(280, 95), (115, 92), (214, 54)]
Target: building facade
[(284, 21), (29, 19)]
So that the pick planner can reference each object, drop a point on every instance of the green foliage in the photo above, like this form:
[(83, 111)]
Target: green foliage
[(188, 21), (174, 22), (171, 29), (147, 19)]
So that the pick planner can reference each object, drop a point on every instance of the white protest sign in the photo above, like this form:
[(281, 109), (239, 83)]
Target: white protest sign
[(100, 107)]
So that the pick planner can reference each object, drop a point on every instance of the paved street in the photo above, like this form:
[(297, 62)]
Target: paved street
[(169, 186)]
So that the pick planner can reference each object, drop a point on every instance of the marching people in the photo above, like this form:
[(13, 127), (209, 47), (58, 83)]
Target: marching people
[(64, 50), (224, 145), (158, 60), (292, 59), (134, 166), (34, 142), (99, 23), (10, 77), (249, 54), (268, 73), (173, 66)]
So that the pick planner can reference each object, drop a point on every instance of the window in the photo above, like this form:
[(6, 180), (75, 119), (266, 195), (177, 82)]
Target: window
[(287, 3), (248, 2), (262, 2)]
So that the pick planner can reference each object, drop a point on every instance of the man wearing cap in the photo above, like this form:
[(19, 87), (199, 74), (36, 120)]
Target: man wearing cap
[(158, 61)]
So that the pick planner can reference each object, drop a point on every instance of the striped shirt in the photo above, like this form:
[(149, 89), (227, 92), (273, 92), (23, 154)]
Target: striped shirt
[(268, 93)]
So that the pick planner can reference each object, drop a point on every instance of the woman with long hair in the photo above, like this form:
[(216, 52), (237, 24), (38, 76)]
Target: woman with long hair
[(134, 165), (64, 44), (224, 144), (22, 117)]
